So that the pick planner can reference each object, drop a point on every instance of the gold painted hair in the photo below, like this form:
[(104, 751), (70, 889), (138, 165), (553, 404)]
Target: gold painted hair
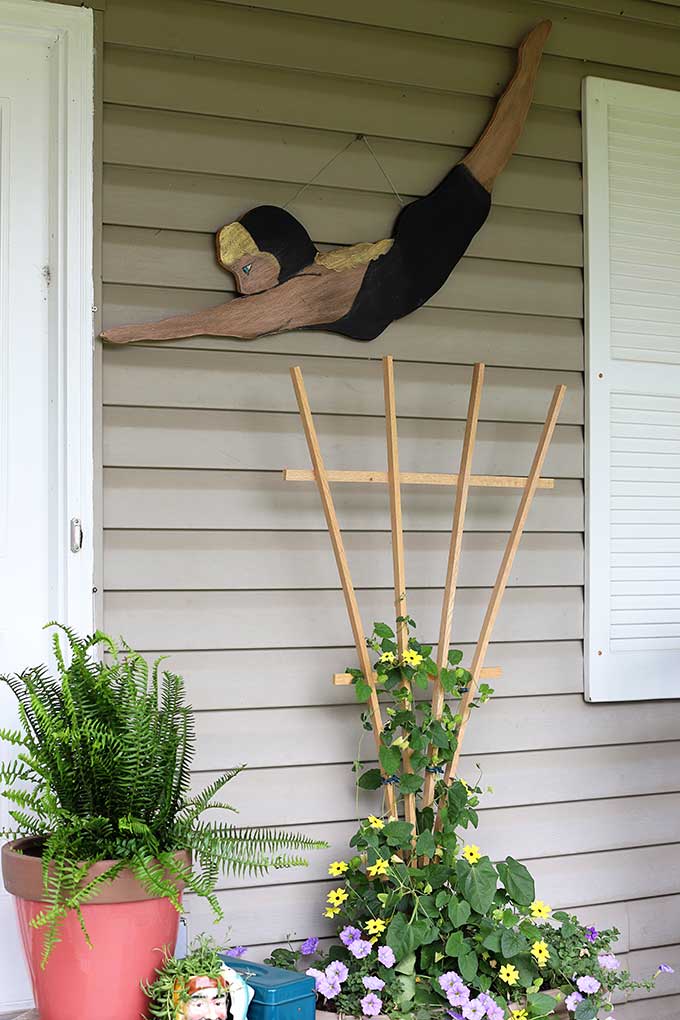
[(233, 241), (356, 255)]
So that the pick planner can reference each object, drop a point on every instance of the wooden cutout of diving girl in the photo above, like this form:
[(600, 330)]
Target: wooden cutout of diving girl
[(285, 283)]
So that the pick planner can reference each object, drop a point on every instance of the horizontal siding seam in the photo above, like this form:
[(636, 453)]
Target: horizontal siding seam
[(269, 768), (486, 754), (328, 414), (655, 10), (325, 74), (361, 359), (527, 860), (293, 182), (620, 16)]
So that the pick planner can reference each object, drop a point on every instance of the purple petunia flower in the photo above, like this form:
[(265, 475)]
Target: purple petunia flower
[(494, 1011), (349, 935), (458, 994), (474, 1010), (371, 1005), (318, 975), (359, 948), (665, 969), (309, 946), (572, 1001), (608, 961), (386, 956), (455, 1014), (592, 934), (373, 984), (448, 979), (588, 985), (236, 951), (337, 971), (329, 988)]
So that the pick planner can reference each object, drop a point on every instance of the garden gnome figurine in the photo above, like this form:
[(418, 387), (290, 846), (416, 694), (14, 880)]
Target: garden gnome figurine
[(215, 998), (207, 998), (198, 987)]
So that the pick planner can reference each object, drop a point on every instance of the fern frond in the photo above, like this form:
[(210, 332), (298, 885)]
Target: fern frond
[(14, 737)]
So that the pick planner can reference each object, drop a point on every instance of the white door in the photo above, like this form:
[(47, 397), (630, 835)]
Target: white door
[(45, 355)]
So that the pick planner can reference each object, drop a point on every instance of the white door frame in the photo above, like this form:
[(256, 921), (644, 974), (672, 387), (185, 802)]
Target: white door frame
[(67, 36), (71, 294)]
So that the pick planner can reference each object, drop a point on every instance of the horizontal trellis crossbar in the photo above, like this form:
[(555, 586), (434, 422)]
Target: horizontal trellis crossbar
[(415, 478)]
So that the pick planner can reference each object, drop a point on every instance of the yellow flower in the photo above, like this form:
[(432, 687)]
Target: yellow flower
[(379, 868), (375, 823), (388, 657), (541, 953), (471, 853), (375, 926), (337, 896), (331, 911), (466, 787), (519, 1014), (509, 974), (540, 909), (337, 868), (412, 658)]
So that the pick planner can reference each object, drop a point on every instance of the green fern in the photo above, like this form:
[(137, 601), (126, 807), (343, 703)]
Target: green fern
[(103, 773)]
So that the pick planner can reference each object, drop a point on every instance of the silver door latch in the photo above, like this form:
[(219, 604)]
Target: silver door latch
[(76, 535)]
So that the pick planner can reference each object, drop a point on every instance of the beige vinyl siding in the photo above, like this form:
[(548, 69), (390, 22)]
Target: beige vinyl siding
[(210, 108)]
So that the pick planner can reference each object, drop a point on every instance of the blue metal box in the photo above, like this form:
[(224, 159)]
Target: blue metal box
[(279, 994)]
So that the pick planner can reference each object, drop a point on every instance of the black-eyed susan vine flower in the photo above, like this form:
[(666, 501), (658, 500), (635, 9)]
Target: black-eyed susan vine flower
[(509, 974), (381, 867), (540, 952), (412, 658), (337, 868), (336, 897), (472, 853), (375, 823), (539, 909)]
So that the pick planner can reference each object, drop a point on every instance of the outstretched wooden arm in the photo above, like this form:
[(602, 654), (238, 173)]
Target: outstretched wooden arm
[(306, 300), (243, 317)]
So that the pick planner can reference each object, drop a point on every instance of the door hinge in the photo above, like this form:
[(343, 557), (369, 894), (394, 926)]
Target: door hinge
[(76, 535)]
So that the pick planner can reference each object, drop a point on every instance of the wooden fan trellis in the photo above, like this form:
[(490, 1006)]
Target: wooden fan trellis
[(394, 478)]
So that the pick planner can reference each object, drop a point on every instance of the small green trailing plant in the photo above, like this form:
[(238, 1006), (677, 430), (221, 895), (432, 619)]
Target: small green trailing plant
[(443, 930), (102, 772)]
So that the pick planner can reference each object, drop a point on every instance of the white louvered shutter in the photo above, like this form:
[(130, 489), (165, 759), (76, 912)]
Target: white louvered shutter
[(632, 223)]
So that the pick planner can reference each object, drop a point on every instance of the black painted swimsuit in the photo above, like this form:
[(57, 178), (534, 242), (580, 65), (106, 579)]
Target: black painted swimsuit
[(431, 235)]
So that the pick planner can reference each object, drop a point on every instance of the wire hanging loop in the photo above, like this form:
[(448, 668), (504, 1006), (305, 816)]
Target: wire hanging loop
[(355, 138), (301, 190), (382, 169)]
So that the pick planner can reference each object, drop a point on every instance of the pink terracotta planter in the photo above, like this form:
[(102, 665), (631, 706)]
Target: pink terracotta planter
[(128, 930)]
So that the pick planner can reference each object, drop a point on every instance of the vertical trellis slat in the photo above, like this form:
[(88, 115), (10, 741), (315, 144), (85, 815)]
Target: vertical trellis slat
[(341, 561)]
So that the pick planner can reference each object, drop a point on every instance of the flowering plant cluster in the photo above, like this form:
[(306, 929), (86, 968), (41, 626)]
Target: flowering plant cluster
[(427, 922)]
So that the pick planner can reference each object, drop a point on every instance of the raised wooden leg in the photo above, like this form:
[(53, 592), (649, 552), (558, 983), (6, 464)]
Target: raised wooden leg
[(500, 136)]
